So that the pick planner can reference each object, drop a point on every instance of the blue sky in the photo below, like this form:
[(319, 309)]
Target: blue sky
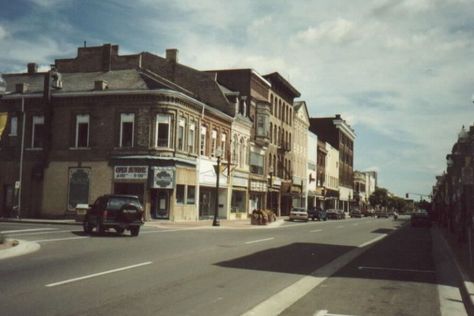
[(400, 72)]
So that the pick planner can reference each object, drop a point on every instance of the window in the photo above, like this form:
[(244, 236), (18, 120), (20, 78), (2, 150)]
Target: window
[(203, 140), (163, 130), (180, 194), (13, 126), (181, 130), (127, 121), (256, 163), (191, 194), (37, 132), (223, 141), (82, 131), (235, 148), (242, 153), (191, 135), (213, 143), (271, 132)]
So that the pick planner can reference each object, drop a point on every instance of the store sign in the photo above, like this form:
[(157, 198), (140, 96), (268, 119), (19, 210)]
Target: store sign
[(258, 186), (130, 172), (163, 177)]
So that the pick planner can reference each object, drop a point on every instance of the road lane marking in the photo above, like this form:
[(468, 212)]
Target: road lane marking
[(98, 274), (25, 230), (325, 312), (276, 304), (165, 230), (259, 240), (395, 269), (316, 230), (372, 241), (60, 239)]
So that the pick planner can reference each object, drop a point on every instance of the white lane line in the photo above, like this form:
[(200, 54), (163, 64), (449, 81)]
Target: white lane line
[(98, 274), (25, 230), (260, 240), (60, 239), (276, 304), (325, 312), (372, 241), (43, 233), (395, 269), (316, 230)]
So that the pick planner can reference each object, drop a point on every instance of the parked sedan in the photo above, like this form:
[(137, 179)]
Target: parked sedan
[(334, 214), (299, 213), (317, 213), (420, 219), (356, 213)]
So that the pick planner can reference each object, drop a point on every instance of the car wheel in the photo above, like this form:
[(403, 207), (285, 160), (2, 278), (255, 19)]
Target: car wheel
[(87, 227), (134, 230)]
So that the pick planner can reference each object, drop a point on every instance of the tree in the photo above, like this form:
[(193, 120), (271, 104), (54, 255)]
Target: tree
[(379, 197)]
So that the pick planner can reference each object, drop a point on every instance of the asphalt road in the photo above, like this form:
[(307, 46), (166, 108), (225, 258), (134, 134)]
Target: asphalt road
[(347, 267)]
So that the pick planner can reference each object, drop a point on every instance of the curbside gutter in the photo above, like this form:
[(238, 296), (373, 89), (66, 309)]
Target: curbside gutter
[(22, 248), (466, 286)]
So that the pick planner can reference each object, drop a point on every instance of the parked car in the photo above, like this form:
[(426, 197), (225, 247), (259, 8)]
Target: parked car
[(356, 213), (299, 213), (382, 214), (334, 214), (317, 213), (420, 219), (120, 212)]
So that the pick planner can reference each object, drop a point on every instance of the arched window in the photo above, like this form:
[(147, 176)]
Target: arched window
[(235, 149), (242, 153), (271, 132)]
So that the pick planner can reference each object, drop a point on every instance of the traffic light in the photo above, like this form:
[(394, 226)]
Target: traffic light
[(406, 195)]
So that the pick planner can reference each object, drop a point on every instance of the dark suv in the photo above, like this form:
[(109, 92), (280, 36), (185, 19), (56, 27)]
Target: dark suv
[(115, 211), (317, 213)]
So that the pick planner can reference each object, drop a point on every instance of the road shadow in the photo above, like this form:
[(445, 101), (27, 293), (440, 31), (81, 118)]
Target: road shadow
[(106, 234), (404, 255)]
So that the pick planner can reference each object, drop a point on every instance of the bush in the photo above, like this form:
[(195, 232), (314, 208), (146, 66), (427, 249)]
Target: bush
[(262, 217)]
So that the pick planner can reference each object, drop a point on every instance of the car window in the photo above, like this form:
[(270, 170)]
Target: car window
[(117, 202)]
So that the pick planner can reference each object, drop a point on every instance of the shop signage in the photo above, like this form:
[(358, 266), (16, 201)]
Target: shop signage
[(130, 172), (163, 177), (258, 186)]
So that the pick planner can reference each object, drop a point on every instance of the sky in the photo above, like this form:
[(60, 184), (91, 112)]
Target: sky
[(399, 72)]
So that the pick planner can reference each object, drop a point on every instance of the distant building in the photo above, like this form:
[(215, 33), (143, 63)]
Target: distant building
[(300, 152), (341, 136), (312, 173)]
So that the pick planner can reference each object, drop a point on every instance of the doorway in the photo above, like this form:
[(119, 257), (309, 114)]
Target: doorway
[(160, 206)]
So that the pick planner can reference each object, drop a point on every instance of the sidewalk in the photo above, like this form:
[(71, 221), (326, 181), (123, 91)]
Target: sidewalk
[(224, 223), (460, 255)]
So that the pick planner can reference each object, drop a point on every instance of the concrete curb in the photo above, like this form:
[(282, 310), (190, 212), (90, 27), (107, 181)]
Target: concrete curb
[(24, 247), (185, 225), (466, 286), (40, 221)]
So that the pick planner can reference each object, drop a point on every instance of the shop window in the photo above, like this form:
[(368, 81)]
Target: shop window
[(78, 187), (203, 140), (223, 149), (37, 132), (180, 194), (238, 202), (191, 196), (256, 163), (191, 136), (13, 126), (82, 131), (163, 130), (127, 121)]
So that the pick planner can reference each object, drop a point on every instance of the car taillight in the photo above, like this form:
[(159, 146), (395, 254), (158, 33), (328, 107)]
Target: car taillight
[(104, 214)]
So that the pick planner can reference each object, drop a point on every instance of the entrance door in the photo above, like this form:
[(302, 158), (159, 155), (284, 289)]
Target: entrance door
[(205, 203), (162, 204)]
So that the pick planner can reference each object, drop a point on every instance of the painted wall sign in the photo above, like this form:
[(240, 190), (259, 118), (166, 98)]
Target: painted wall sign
[(163, 177)]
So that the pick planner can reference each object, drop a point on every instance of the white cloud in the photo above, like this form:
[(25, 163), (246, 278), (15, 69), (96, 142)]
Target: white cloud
[(336, 31), (3, 33)]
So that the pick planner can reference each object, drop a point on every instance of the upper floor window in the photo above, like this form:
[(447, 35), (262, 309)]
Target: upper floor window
[(235, 150), (82, 131), (242, 153), (37, 132), (203, 140), (271, 132), (181, 130), (191, 136), (256, 163), (163, 130), (213, 142), (13, 126), (127, 121), (223, 142)]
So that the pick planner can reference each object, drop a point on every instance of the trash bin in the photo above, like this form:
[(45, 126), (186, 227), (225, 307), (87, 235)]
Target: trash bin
[(81, 210)]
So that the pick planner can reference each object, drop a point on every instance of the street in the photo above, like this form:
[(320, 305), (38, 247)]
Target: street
[(362, 266)]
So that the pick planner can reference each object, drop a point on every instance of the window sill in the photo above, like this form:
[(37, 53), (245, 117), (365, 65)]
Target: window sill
[(80, 148)]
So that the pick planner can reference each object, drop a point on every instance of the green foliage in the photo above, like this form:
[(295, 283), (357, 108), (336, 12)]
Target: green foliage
[(379, 197)]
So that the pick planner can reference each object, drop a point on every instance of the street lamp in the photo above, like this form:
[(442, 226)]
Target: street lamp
[(270, 184), (215, 222)]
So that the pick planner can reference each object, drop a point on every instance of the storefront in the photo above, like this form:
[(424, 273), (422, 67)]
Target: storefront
[(162, 185), (207, 190), (239, 196), (131, 180), (257, 189), (273, 197)]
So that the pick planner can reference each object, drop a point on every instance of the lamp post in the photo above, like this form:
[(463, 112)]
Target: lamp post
[(215, 222)]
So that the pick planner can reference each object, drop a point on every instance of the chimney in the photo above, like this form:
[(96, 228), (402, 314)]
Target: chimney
[(172, 55), (338, 116), (100, 85), (32, 68), (21, 87), (106, 57)]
